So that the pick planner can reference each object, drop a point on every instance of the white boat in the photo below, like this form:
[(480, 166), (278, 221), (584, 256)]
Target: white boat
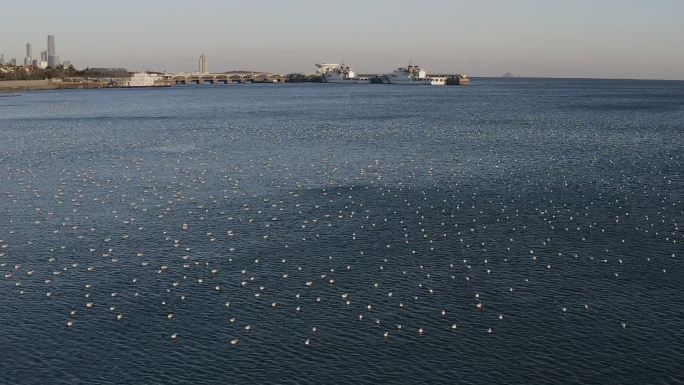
[(438, 80), (411, 75), (335, 73)]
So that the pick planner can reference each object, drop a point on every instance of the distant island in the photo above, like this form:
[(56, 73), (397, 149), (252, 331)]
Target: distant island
[(508, 75)]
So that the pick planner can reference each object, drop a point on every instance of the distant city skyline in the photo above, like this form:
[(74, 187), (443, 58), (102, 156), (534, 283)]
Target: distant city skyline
[(552, 38), (46, 59)]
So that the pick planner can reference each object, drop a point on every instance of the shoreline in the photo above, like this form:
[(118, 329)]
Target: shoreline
[(27, 85), (14, 86), (45, 85)]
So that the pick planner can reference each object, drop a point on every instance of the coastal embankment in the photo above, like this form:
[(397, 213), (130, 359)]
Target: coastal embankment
[(46, 84), (28, 85)]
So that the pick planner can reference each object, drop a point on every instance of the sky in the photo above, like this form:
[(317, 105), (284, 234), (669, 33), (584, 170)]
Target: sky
[(641, 39)]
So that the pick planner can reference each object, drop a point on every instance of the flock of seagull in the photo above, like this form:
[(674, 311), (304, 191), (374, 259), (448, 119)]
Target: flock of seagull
[(401, 247)]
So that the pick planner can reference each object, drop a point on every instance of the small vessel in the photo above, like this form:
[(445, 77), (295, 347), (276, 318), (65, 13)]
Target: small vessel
[(411, 75), (458, 80), (438, 80), (336, 73), (463, 80)]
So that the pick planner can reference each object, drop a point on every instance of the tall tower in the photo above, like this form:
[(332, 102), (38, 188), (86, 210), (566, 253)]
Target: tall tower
[(203, 67), (52, 52), (28, 60)]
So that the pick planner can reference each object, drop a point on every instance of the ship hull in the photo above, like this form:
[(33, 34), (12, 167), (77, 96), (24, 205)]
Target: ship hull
[(422, 82), (345, 81)]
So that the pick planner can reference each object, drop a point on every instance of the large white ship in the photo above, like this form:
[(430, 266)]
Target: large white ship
[(335, 73), (411, 75)]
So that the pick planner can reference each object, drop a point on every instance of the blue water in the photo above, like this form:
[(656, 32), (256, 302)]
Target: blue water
[(531, 228)]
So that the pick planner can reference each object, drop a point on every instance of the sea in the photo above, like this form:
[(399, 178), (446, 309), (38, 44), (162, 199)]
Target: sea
[(515, 231)]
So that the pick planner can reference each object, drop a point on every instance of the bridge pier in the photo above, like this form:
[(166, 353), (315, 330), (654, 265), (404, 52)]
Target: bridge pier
[(239, 78)]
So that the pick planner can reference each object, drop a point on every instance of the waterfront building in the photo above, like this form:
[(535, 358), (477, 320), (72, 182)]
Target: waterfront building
[(52, 58), (43, 64), (142, 79), (203, 66), (107, 73)]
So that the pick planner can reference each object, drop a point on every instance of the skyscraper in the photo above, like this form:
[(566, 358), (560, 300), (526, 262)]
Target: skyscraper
[(52, 59), (43, 56), (203, 67), (28, 60)]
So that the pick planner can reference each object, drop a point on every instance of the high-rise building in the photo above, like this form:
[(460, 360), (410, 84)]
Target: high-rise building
[(28, 60), (52, 58), (203, 67), (51, 46), (43, 56), (13, 62)]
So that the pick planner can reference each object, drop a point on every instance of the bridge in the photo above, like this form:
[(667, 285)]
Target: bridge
[(223, 78)]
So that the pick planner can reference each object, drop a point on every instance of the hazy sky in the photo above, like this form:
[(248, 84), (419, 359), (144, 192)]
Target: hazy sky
[(562, 38)]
